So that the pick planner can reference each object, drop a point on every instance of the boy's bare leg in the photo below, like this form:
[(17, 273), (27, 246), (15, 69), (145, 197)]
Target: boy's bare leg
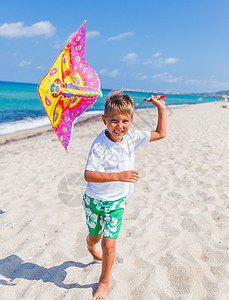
[(91, 242), (108, 247)]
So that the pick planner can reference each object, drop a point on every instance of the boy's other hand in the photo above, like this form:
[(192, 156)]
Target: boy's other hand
[(156, 101), (129, 176)]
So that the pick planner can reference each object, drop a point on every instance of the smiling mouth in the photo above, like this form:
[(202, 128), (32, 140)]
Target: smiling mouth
[(118, 132)]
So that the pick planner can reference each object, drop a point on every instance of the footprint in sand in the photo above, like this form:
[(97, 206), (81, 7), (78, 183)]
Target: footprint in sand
[(169, 230), (218, 217), (215, 257), (147, 189), (119, 259), (211, 287), (179, 278), (167, 260), (219, 271), (189, 225)]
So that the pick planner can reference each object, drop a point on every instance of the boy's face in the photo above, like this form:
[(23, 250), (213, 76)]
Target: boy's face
[(117, 125)]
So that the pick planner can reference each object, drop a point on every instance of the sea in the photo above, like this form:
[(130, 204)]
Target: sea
[(21, 108)]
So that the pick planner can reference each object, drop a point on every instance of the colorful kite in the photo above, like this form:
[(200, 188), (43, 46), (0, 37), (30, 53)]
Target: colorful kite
[(69, 87)]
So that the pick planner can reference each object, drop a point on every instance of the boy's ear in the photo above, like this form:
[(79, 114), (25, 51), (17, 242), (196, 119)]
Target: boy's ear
[(104, 120)]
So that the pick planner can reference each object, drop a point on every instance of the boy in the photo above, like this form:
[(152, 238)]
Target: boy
[(110, 175)]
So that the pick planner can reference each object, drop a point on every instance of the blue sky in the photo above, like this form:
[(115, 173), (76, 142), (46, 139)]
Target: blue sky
[(176, 45)]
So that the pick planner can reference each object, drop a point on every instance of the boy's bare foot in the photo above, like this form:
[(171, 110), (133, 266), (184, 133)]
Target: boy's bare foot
[(93, 251), (102, 291)]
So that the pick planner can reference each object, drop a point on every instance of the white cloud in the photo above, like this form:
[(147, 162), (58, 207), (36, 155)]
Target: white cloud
[(40, 67), (212, 82), (91, 34), (130, 58), (157, 54), (170, 60), (166, 77), (121, 36), (17, 30), (140, 76), (161, 77), (106, 72), (222, 84), (144, 77), (103, 71), (158, 61), (169, 78), (24, 63), (113, 73)]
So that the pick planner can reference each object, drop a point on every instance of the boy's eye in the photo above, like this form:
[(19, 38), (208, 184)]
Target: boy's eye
[(116, 121)]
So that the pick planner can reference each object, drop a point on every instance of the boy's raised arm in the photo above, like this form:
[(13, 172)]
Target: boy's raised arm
[(161, 129)]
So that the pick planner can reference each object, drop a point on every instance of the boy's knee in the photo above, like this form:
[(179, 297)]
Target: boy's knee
[(108, 245), (93, 239)]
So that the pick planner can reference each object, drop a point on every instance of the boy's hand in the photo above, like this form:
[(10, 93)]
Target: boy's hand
[(156, 101), (128, 176)]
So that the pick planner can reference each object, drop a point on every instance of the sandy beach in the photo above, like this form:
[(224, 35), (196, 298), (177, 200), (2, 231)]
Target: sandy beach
[(174, 240)]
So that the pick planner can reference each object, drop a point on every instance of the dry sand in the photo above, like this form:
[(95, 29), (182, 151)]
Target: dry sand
[(174, 241)]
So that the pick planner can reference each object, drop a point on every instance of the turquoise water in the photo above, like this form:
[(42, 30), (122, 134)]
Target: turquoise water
[(21, 108)]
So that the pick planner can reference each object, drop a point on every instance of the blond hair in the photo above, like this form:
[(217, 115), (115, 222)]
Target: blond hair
[(117, 101)]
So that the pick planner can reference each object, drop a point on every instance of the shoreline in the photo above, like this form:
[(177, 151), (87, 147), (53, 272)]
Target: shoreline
[(35, 132)]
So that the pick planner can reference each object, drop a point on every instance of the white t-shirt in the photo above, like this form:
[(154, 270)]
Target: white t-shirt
[(110, 157)]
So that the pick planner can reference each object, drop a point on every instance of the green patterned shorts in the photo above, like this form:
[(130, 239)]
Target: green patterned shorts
[(104, 216)]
